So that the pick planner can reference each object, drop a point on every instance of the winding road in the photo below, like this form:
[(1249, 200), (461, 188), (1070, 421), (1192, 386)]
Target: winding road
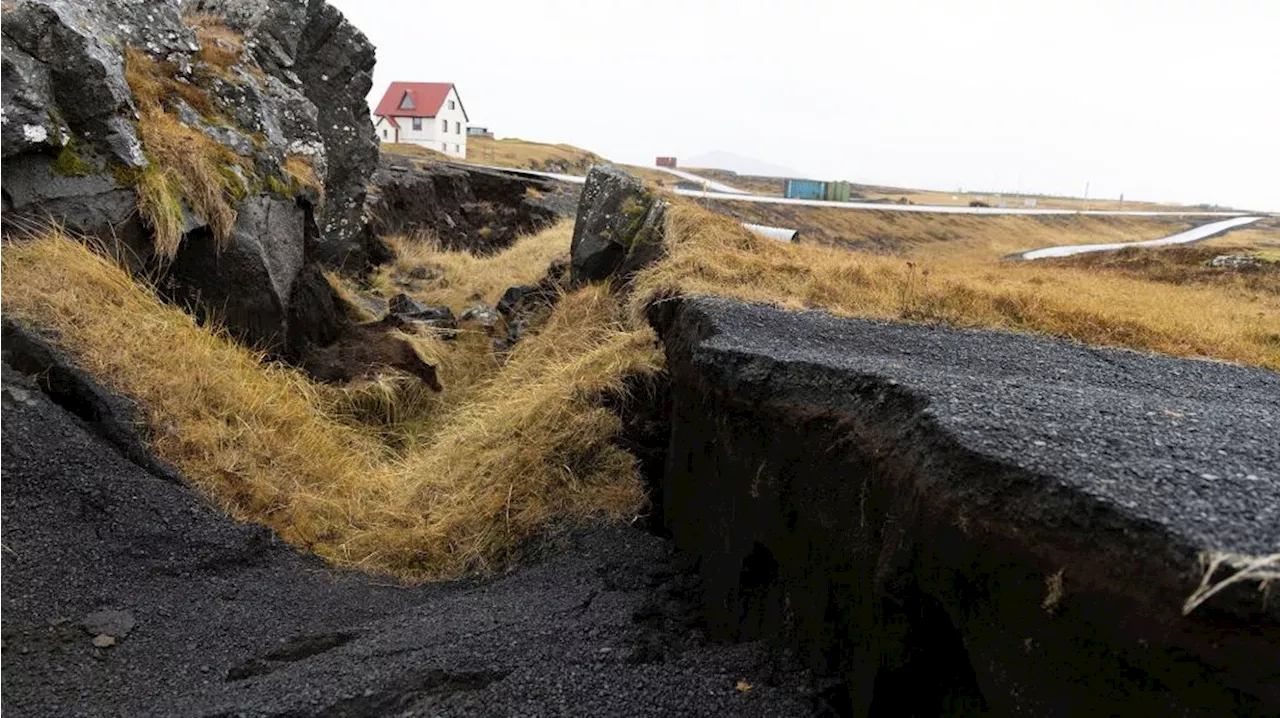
[(1195, 234)]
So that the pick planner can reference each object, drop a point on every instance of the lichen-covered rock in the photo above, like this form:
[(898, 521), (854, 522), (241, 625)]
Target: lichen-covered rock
[(248, 115), (619, 229), (309, 47)]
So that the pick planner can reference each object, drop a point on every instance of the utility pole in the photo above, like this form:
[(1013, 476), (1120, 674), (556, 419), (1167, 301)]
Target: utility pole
[(1086, 194)]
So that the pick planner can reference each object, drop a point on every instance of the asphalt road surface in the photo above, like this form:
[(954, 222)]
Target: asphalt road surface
[(709, 184), (1189, 446), (1195, 234)]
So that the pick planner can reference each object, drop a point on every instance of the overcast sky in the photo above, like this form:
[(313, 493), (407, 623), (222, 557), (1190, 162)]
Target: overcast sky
[(1165, 100)]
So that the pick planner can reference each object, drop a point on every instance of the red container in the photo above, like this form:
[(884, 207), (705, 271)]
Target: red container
[(666, 162)]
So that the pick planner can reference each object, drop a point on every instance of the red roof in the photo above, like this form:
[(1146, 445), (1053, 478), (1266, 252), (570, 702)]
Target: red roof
[(415, 99)]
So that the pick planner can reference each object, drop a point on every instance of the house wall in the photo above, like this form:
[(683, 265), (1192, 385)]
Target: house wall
[(384, 131), (455, 140), (433, 135)]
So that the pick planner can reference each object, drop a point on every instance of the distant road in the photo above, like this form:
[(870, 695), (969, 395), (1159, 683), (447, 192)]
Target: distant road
[(739, 196), (1196, 234), (710, 184)]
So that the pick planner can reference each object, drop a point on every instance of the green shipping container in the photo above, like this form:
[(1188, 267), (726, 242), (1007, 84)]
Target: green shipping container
[(837, 192)]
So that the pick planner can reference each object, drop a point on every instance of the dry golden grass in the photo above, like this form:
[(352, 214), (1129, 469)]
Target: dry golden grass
[(529, 448), (302, 173), (412, 150), (462, 279), (522, 154), (712, 255), (220, 46), (188, 165), (949, 236)]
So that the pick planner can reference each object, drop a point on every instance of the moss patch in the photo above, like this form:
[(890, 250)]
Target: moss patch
[(68, 163)]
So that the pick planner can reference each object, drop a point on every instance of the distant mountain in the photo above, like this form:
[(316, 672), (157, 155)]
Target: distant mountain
[(736, 163)]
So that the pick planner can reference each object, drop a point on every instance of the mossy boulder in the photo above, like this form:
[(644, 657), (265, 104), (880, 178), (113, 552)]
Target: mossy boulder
[(619, 229)]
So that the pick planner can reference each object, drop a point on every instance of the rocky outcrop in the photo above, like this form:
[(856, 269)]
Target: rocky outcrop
[(463, 208), (619, 228), (244, 120), (957, 533), (311, 48)]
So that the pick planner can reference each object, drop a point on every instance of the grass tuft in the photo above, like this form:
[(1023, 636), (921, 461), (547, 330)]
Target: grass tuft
[(301, 172), (220, 46), (191, 163)]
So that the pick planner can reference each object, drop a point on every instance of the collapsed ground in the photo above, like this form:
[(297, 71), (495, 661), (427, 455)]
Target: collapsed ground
[(316, 412)]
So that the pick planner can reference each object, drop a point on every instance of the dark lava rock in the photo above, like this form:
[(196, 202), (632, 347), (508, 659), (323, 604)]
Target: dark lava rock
[(114, 418), (71, 151), (619, 228), (969, 522), (480, 313), (249, 284), (464, 208), (437, 316), (231, 621), (311, 47)]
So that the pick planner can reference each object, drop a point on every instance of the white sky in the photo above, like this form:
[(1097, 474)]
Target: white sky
[(1165, 100)]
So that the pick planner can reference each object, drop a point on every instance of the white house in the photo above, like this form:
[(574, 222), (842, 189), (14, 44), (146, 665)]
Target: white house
[(429, 114)]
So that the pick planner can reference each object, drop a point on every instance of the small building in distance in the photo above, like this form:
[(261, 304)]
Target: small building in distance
[(666, 162), (427, 114), (479, 132)]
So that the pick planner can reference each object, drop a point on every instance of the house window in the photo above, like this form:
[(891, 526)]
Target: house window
[(417, 124), (384, 134), (457, 128), (451, 104), (455, 148), (445, 123), (406, 103)]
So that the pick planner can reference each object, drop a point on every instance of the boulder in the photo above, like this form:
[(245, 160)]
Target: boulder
[(619, 229), (1235, 261), (406, 310), (364, 350), (480, 313), (248, 285)]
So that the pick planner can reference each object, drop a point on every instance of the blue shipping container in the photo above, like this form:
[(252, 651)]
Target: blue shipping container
[(805, 189)]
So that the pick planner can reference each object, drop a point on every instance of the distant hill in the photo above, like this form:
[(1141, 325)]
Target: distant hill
[(737, 163)]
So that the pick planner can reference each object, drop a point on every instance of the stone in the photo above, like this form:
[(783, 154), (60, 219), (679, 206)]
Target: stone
[(1234, 261), (437, 316), (113, 623), (310, 48), (619, 228), (103, 640), (248, 285), (480, 313), (363, 350)]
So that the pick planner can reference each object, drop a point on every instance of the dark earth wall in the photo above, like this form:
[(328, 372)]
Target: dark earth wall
[(832, 511)]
